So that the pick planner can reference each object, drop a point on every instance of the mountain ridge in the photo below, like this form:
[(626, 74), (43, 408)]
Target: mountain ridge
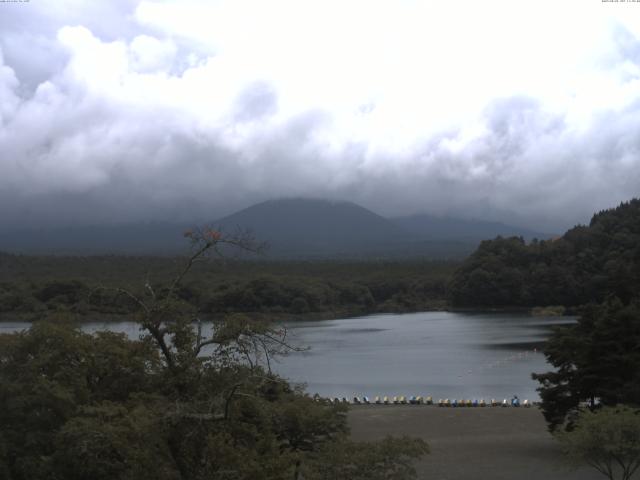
[(293, 227)]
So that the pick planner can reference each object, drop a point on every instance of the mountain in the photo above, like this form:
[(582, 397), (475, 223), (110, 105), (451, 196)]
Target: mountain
[(293, 228), (312, 227), (298, 227), (468, 231)]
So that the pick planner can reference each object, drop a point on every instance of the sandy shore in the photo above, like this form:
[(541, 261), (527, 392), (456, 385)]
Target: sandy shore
[(472, 443)]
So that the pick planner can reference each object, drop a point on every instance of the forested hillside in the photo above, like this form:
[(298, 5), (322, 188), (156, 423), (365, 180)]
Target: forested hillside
[(584, 265)]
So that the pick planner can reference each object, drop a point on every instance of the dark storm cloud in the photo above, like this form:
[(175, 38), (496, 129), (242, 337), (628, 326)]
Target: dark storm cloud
[(104, 119)]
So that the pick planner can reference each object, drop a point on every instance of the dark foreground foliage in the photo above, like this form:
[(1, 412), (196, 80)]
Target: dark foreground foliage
[(79, 406), (607, 440), (597, 362), (585, 265), (177, 404)]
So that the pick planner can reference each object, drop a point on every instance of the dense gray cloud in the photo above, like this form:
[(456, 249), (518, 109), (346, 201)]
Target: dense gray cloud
[(114, 113)]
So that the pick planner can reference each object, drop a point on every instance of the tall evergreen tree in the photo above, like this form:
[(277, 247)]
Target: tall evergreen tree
[(597, 361)]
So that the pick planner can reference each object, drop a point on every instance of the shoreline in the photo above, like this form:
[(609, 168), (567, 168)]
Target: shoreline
[(286, 316)]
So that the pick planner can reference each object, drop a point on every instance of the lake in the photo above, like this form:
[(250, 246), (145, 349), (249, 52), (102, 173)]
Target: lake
[(443, 354)]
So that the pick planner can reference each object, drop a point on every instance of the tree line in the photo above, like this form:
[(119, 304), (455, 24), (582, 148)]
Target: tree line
[(34, 286)]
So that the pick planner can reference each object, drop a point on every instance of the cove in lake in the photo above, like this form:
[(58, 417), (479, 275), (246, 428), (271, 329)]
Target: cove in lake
[(443, 354)]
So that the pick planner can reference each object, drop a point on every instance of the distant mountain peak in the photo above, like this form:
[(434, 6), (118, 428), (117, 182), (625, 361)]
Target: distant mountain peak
[(298, 227), (314, 226)]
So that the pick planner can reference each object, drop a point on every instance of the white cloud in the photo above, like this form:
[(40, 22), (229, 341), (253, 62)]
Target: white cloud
[(8, 85), (148, 54), (473, 108)]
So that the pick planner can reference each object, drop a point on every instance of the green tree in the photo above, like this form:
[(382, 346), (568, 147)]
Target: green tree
[(597, 361), (182, 402), (586, 264), (607, 440)]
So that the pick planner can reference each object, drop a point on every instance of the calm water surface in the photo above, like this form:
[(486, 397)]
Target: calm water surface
[(443, 354)]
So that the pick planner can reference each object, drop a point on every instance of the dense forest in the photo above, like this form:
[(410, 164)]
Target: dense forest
[(31, 286), (584, 265)]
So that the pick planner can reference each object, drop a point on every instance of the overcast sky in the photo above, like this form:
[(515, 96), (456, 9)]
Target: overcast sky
[(522, 111)]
